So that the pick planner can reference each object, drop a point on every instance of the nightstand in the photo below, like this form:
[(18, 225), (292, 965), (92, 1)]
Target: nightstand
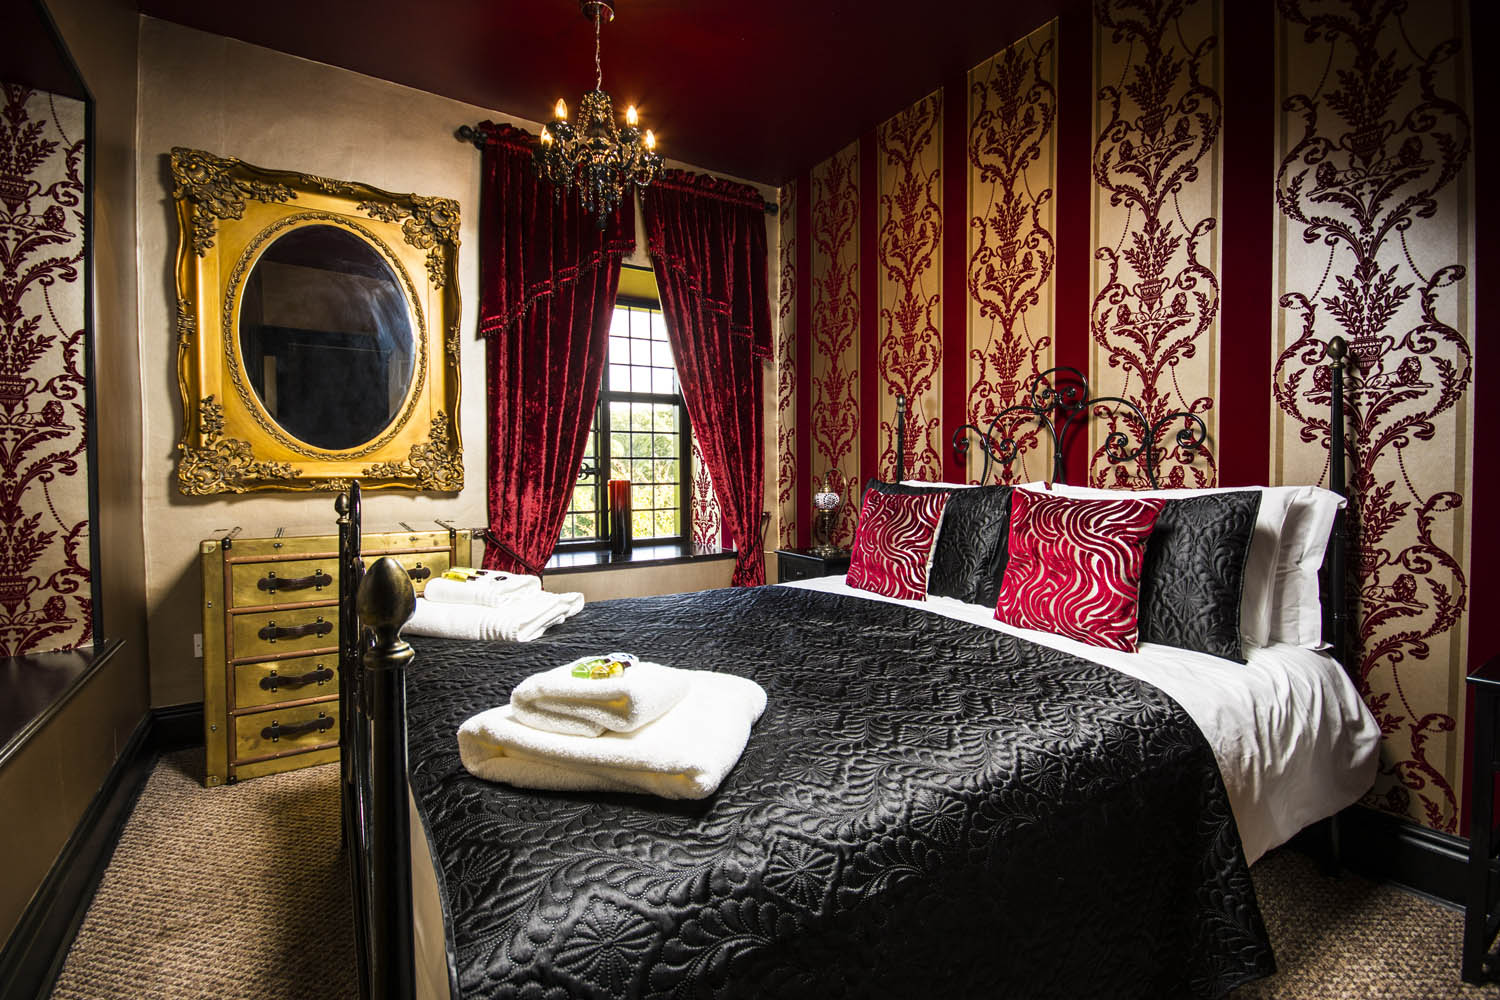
[(803, 564), (1480, 913)]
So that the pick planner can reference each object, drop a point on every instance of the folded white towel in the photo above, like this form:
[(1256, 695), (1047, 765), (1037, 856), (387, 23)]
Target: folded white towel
[(685, 754), (521, 618), (557, 701), (489, 589)]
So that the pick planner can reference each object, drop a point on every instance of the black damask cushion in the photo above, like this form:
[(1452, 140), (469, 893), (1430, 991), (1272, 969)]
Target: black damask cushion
[(1195, 571), (969, 560)]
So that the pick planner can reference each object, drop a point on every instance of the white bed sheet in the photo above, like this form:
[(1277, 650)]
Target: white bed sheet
[(1294, 741)]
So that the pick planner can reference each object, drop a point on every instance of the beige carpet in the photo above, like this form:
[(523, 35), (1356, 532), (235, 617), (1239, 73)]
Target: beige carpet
[(240, 892), (235, 892)]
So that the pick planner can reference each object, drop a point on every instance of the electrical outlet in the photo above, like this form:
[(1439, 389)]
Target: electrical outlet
[(198, 645)]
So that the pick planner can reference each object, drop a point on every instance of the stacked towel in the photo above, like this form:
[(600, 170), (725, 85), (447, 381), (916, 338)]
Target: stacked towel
[(684, 754), (559, 702), (486, 587), (519, 617)]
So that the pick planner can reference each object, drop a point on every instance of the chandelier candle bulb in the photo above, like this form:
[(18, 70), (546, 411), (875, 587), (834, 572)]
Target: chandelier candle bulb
[(560, 110), (631, 118)]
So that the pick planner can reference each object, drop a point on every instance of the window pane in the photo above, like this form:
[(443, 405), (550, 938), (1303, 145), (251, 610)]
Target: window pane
[(640, 497), (665, 470), (666, 496), (641, 524), (640, 352), (664, 445), (619, 378), (661, 355), (640, 417), (664, 417), (640, 379), (583, 498), (619, 323), (666, 523), (658, 326), (640, 472), (619, 350), (619, 417), (663, 382), (585, 526), (619, 467)]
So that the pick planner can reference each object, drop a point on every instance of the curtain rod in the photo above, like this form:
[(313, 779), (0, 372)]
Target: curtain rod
[(473, 136)]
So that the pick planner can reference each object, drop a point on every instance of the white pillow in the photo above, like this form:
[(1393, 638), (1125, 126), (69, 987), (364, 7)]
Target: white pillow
[(1296, 610), (1257, 602)]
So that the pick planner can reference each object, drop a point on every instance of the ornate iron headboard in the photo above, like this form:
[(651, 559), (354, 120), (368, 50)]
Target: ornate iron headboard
[(1059, 401)]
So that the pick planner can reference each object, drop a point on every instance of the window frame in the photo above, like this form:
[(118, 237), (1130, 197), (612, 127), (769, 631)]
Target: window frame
[(602, 458)]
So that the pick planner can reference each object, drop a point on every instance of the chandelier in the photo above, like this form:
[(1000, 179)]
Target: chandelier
[(598, 155)]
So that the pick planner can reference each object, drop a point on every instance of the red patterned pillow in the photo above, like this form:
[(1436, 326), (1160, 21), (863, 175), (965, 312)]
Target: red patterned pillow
[(893, 545), (1075, 567)]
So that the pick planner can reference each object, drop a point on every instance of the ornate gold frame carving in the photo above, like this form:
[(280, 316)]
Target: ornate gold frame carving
[(228, 212)]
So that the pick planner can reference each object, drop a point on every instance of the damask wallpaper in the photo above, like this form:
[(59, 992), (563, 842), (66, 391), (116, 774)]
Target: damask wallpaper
[(45, 598), (1154, 318), (1372, 195), (1011, 171), (1357, 149)]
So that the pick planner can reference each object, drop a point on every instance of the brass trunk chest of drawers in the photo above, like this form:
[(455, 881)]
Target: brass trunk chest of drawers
[(271, 639)]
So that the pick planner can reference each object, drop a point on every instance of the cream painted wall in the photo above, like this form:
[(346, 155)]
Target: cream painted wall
[(279, 111)]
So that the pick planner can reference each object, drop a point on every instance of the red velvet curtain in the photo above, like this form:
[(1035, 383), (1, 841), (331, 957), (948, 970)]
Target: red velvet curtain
[(708, 245), (548, 277)]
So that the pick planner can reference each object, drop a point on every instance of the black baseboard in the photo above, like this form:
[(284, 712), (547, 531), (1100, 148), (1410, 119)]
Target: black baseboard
[(32, 958), (1389, 849)]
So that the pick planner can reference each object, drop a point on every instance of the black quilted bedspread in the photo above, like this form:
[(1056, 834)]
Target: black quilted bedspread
[(926, 809)]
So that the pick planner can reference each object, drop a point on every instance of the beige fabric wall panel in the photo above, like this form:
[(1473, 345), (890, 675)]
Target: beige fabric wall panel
[(909, 230), (1374, 238), (1154, 322), (1011, 213), (835, 330), (786, 371)]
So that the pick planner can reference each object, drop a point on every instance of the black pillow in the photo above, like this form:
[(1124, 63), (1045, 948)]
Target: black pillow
[(969, 559), (1194, 573)]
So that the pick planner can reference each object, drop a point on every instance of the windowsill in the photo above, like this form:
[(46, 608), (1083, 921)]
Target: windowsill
[(35, 686), (589, 560)]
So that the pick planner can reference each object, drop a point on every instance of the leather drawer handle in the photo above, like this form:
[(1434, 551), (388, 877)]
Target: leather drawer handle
[(275, 731), (271, 632), (276, 680), (419, 572), (272, 583)]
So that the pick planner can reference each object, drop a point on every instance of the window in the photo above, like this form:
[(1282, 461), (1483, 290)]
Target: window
[(645, 440)]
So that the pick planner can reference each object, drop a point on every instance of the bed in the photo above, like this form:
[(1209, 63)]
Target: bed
[(934, 803)]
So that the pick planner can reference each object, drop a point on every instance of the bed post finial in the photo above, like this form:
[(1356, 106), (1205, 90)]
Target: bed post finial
[(386, 601), (900, 437)]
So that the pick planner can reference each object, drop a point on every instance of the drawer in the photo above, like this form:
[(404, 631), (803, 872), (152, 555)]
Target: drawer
[(284, 632), (788, 569), (292, 581), (274, 681), (280, 731), (420, 566)]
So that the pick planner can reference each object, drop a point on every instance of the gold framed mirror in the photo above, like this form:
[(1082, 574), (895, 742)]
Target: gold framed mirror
[(317, 329)]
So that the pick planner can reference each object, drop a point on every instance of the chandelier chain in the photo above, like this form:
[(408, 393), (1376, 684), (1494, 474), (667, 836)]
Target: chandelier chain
[(598, 66)]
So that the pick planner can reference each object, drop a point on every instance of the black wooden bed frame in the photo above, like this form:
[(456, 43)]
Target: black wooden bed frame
[(375, 603)]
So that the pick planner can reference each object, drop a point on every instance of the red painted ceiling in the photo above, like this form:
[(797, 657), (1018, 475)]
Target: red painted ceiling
[(757, 90)]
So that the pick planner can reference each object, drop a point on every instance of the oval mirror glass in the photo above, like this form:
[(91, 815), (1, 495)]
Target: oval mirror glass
[(326, 337)]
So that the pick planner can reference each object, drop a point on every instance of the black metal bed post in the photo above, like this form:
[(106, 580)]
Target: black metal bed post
[(900, 437), (1337, 591), (1338, 582), (351, 728), (385, 603)]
